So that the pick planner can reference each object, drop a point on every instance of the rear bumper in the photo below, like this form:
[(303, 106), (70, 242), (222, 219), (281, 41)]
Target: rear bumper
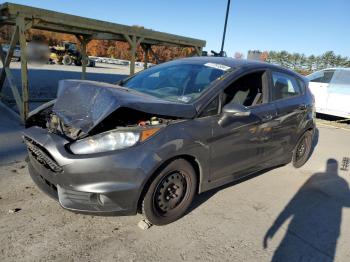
[(105, 184)]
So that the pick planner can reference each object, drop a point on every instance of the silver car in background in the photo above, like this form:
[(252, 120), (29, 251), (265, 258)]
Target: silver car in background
[(331, 88)]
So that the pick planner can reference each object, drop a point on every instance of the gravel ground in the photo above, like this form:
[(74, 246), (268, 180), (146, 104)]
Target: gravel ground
[(228, 224)]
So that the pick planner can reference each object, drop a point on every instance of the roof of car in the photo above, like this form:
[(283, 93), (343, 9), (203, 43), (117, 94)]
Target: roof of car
[(223, 60), (238, 63), (335, 68)]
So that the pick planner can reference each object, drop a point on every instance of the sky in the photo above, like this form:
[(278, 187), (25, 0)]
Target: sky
[(304, 26)]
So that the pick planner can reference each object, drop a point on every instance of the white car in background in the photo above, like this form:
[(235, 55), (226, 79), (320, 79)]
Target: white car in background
[(331, 88)]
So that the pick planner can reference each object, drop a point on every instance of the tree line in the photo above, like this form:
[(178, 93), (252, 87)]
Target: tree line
[(305, 64)]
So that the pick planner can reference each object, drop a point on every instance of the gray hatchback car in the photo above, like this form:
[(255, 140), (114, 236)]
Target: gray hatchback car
[(153, 141)]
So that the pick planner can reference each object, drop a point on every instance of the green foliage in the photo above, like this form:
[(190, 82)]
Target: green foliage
[(306, 64)]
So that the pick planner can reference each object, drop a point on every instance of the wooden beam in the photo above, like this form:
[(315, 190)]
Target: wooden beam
[(24, 67), (128, 39), (70, 24), (11, 82), (133, 41), (7, 61), (198, 50), (145, 59), (133, 55), (84, 40), (139, 41), (154, 55)]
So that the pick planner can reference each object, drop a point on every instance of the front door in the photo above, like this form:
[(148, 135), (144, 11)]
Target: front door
[(339, 94), (319, 85), (240, 146)]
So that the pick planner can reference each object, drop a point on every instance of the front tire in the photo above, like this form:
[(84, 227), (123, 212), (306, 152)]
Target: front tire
[(170, 193), (302, 150)]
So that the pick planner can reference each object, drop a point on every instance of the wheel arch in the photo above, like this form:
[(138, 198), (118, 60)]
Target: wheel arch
[(308, 128), (189, 158)]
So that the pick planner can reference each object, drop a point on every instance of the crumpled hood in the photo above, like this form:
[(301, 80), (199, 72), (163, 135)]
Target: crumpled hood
[(84, 104)]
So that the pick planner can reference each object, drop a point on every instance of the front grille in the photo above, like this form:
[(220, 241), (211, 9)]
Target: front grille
[(40, 154)]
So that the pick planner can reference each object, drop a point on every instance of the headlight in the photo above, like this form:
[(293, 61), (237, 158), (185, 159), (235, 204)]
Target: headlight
[(109, 141)]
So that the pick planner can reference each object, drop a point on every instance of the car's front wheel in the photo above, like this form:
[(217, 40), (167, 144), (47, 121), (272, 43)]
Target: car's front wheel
[(170, 193), (302, 150)]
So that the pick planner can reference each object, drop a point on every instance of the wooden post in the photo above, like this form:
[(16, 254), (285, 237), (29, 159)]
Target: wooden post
[(10, 80), (133, 55), (7, 61), (198, 50), (84, 40), (145, 60), (146, 48), (83, 60), (24, 67), (154, 55), (133, 42)]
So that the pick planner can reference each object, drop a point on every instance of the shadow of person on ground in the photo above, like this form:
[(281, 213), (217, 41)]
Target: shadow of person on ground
[(315, 212)]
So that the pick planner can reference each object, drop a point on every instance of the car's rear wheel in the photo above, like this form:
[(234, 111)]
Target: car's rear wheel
[(302, 150), (170, 193)]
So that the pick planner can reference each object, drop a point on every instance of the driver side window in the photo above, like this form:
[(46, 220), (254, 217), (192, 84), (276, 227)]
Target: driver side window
[(248, 90)]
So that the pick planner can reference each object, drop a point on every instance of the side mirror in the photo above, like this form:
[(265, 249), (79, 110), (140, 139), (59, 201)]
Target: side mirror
[(235, 110), (231, 111)]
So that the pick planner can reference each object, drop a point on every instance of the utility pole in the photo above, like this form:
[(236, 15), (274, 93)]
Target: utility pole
[(224, 34)]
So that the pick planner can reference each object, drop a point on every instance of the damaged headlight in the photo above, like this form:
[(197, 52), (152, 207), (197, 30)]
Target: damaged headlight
[(110, 141), (105, 142)]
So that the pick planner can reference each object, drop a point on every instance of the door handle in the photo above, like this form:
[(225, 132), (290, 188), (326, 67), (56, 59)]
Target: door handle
[(266, 118), (302, 107)]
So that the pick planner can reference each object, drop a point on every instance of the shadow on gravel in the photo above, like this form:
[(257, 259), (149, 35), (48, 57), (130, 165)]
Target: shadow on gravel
[(315, 212), (11, 147)]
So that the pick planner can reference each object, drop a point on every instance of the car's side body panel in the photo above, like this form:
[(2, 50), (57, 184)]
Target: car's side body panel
[(320, 91), (331, 88), (338, 100)]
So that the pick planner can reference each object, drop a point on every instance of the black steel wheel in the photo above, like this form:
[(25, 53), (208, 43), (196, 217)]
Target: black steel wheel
[(170, 193), (302, 150)]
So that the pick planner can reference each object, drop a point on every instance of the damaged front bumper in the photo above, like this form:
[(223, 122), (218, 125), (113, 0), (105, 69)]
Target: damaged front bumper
[(104, 183)]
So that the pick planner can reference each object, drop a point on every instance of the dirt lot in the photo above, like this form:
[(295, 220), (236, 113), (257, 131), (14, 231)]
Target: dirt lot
[(229, 224)]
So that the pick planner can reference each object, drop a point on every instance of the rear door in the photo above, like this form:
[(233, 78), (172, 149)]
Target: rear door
[(287, 93)]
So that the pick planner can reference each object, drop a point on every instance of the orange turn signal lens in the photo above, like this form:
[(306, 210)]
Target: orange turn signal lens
[(148, 133)]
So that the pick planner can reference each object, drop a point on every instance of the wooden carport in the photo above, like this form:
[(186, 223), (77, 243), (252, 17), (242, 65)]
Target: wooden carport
[(85, 29)]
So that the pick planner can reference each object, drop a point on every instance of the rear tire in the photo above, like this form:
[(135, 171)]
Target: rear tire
[(302, 150), (170, 193)]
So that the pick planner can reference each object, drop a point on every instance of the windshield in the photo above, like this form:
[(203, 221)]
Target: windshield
[(176, 82)]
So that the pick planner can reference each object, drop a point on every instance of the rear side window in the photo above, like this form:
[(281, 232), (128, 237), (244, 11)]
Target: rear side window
[(321, 76), (285, 86)]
